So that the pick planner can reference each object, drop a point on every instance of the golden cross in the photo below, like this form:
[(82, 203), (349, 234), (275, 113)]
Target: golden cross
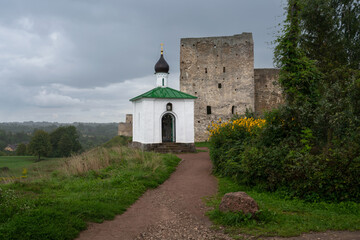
[(162, 48)]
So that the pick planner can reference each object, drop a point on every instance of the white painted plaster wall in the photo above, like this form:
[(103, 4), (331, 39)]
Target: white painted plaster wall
[(149, 112)]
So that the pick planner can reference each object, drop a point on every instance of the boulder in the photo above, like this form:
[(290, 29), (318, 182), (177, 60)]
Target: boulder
[(238, 202)]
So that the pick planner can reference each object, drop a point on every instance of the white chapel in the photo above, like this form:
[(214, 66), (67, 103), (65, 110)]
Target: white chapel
[(163, 118)]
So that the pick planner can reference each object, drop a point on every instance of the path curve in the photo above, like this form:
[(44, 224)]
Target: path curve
[(174, 210)]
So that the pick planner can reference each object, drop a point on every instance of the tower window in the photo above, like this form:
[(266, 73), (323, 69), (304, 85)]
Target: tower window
[(205, 70), (208, 109), (233, 110), (219, 85), (223, 69)]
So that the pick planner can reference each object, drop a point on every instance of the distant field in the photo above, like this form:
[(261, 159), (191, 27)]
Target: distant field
[(16, 164)]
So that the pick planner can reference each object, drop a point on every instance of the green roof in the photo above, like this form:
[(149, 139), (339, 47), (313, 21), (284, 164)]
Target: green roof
[(161, 92)]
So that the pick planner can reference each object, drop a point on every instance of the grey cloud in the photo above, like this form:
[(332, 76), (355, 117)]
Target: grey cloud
[(70, 56)]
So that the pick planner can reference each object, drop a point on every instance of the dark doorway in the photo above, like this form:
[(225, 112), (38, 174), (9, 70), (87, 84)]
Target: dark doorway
[(168, 128)]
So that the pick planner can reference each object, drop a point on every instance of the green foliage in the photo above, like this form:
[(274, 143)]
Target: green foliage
[(21, 149), (90, 134), (281, 216), (40, 144), (59, 207), (202, 144), (298, 77), (65, 141), (117, 141), (331, 33), (285, 157)]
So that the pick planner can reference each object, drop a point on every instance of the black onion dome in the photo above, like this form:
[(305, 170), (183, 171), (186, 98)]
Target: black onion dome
[(162, 65)]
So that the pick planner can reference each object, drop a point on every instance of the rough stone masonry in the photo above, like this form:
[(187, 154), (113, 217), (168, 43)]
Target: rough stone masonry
[(220, 72)]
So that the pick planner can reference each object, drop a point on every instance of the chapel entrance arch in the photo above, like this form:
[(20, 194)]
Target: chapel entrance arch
[(168, 128)]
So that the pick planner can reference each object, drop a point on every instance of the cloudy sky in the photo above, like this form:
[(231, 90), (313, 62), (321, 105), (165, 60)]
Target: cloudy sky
[(82, 60)]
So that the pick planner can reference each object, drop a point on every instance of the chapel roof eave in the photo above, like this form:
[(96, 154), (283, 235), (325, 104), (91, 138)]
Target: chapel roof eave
[(165, 93)]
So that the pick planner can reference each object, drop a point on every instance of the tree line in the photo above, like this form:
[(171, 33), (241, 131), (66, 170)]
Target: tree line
[(90, 134), (62, 142)]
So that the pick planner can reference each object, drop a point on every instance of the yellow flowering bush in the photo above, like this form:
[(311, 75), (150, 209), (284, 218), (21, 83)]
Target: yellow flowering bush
[(227, 138), (250, 125)]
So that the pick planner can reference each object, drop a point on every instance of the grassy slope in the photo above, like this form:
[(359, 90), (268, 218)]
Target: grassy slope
[(285, 217), (59, 207)]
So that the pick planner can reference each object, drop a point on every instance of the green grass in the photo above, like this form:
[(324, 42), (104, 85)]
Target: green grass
[(117, 141), (202, 144), (283, 217), (34, 168), (58, 207), (15, 163)]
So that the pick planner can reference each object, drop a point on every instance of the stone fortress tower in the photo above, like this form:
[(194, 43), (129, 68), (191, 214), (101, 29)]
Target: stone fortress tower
[(220, 72)]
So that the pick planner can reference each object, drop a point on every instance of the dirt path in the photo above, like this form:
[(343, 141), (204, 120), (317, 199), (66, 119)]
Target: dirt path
[(175, 210)]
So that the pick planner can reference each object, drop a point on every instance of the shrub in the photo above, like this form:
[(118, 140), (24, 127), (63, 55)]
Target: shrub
[(281, 154)]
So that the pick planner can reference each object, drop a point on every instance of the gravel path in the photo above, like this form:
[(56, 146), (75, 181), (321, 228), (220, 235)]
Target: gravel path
[(175, 210)]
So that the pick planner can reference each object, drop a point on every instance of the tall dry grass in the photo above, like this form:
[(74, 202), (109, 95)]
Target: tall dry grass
[(94, 159), (99, 158)]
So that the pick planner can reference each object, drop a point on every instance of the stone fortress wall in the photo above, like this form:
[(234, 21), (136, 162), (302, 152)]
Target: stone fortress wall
[(220, 72), (267, 90)]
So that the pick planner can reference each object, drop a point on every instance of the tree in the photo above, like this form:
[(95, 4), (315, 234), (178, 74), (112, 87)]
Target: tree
[(331, 32), (299, 77), (40, 144), (21, 150), (65, 141), (318, 54), (330, 35)]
